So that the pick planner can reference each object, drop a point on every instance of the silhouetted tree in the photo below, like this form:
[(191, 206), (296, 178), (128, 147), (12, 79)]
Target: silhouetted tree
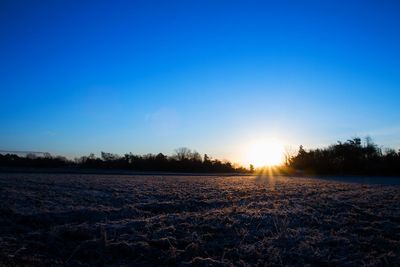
[(195, 156), (182, 153), (350, 157), (109, 156), (251, 168)]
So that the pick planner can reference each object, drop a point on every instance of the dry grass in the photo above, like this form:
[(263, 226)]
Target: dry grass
[(79, 220)]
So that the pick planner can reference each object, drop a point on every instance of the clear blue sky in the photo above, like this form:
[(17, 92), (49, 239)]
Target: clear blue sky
[(151, 76)]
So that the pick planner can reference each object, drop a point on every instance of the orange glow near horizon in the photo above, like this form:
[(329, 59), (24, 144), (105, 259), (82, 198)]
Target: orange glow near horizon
[(265, 153)]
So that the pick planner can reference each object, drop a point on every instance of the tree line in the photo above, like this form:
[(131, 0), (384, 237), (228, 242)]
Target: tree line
[(352, 157), (184, 160)]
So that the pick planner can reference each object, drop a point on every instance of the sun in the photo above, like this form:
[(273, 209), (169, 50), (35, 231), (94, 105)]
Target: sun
[(263, 153)]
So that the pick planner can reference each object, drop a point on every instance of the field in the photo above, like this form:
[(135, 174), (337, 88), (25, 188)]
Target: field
[(86, 220)]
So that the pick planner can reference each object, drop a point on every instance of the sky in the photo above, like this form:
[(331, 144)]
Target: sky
[(151, 76)]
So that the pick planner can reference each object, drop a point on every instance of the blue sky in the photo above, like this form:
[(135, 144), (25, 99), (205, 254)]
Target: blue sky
[(150, 76)]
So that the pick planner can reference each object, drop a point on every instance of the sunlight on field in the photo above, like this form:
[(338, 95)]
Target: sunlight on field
[(137, 220), (269, 152)]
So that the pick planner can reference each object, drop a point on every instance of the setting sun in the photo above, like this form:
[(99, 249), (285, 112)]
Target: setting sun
[(265, 153)]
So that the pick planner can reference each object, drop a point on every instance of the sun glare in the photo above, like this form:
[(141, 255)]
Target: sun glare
[(265, 153)]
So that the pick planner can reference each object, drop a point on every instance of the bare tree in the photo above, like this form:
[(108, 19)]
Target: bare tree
[(195, 156), (289, 153), (182, 153)]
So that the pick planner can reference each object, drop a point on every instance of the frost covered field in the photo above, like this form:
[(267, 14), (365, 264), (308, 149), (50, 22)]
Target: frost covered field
[(54, 219)]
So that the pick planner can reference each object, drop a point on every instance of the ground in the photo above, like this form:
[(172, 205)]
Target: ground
[(86, 220)]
